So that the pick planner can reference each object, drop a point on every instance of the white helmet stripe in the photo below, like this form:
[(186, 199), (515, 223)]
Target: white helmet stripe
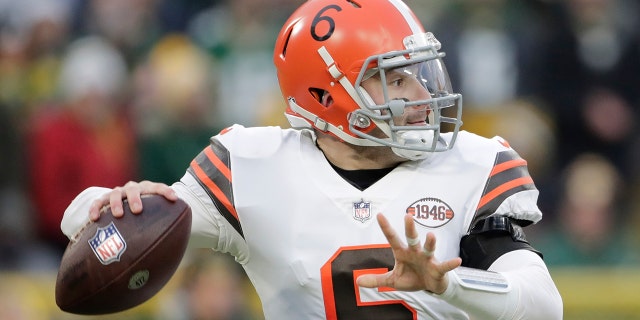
[(416, 26), (338, 75)]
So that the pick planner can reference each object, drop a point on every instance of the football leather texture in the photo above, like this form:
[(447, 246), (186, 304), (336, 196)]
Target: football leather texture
[(114, 264)]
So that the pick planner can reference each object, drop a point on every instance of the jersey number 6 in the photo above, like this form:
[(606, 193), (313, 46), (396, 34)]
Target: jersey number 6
[(342, 295)]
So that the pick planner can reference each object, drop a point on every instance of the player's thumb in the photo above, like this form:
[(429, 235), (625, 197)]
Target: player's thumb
[(370, 280)]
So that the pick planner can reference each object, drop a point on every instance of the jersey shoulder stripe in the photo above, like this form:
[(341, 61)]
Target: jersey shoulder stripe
[(212, 169), (508, 176)]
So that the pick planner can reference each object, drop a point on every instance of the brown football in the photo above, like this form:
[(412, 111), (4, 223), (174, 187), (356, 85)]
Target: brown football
[(115, 264)]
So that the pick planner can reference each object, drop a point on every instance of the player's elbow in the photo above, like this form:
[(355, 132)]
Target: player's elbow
[(550, 308), (549, 299), (539, 298), (555, 308)]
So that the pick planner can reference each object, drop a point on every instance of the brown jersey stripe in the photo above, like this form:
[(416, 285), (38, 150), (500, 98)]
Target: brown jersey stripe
[(211, 168), (505, 176), (508, 177)]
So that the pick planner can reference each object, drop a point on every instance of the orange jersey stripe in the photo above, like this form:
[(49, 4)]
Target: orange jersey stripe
[(214, 188), (502, 188), (218, 163), (507, 165)]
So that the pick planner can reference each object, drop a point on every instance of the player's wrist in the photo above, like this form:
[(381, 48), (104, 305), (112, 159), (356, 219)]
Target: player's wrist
[(448, 290)]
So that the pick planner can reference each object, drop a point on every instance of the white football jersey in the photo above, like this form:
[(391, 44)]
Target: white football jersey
[(269, 197)]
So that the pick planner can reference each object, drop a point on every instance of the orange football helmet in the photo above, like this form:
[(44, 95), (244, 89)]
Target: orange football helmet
[(332, 46)]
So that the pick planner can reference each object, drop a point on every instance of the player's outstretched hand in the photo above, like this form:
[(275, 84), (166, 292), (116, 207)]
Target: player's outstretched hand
[(415, 266), (132, 192)]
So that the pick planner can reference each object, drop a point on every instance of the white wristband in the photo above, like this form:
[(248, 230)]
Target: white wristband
[(478, 279)]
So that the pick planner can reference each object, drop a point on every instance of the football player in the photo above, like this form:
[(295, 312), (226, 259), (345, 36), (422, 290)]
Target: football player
[(312, 212)]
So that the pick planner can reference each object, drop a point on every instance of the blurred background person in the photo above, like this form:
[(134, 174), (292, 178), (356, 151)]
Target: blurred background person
[(211, 287), (16, 218), (175, 110), (33, 35), (240, 35), (86, 139), (591, 228), (590, 79), (131, 26)]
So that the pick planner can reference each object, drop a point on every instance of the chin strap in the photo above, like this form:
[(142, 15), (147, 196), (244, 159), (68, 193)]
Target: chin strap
[(414, 137)]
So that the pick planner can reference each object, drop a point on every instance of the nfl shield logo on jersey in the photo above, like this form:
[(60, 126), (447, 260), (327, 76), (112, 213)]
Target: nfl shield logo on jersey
[(108, 244), (362, 211)]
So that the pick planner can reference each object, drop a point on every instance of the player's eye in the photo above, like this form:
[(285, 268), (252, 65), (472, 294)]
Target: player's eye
[(396, 81)]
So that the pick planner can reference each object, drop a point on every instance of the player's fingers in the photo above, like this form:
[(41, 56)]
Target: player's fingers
[(430, 244), (96, 207), (410, 232), (449, 265), (372, 280), (133, 190), (159, 188), (115, 202), (388, 231), (367, 281)]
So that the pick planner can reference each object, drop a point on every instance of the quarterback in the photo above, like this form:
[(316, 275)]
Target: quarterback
[(375, 204)]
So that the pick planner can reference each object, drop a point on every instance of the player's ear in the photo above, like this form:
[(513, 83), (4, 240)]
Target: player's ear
[(322, 96), (326, 99)]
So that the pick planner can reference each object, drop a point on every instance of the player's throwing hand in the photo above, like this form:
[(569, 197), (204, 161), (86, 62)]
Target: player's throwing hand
[(131, 191), (415, 266)]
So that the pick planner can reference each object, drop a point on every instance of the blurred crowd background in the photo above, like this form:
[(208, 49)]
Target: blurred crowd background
[(100, 92)]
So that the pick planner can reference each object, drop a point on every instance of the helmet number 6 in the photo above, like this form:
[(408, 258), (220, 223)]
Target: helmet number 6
[(319, 18)]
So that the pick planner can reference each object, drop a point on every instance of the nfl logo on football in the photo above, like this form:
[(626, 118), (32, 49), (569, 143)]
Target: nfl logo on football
[(108, 244), (362, 211)]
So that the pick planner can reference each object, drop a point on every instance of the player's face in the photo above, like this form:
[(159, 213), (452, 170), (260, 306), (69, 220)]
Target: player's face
[(403, 83)]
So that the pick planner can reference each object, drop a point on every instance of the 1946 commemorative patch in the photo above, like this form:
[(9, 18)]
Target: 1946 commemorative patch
[(430, 212)]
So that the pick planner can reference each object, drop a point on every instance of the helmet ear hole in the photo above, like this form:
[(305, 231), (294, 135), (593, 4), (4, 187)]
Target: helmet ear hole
[(316, 93), (322, 96)]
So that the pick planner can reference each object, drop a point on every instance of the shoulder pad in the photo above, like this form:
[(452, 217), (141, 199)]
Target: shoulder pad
[(502, 141), (254, 142)]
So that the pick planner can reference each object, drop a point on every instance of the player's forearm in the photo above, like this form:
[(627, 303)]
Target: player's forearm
[(207, 223), (533, 294), (76, 216)]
